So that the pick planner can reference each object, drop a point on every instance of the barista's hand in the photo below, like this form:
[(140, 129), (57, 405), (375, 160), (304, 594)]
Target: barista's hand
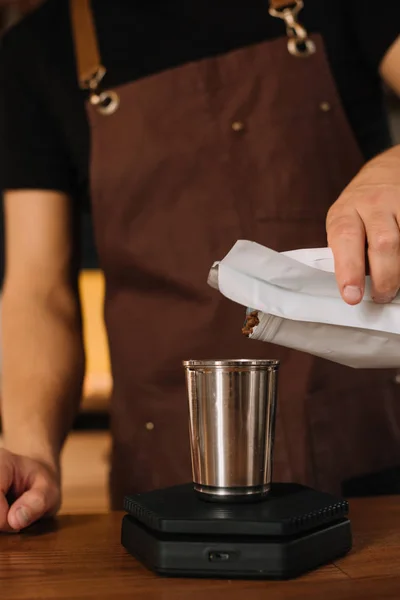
[(34, 488), (367, 217)]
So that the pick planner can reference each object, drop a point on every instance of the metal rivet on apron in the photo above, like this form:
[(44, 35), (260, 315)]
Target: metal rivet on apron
[(238, 126), (397, 378), (325, 106), (149, 426), (107, 103)]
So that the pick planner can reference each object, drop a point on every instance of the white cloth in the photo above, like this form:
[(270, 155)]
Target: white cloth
[(300, 306)]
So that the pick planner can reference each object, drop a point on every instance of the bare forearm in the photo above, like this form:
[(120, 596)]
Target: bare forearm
[(389, 163), (43, 367), (382, 171)]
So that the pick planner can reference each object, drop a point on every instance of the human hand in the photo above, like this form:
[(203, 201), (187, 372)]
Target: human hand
[(34, 487), (364, 224)]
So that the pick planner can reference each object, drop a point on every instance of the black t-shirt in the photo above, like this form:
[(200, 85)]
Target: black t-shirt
[(44, 134)]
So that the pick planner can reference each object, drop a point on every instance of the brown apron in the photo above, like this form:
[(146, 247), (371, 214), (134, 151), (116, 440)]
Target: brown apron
[(252, 144)]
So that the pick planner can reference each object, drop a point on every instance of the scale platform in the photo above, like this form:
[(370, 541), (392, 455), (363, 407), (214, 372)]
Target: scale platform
[(295, 530)]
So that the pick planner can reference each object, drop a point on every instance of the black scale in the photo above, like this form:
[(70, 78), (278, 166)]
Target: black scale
[(294, 530)]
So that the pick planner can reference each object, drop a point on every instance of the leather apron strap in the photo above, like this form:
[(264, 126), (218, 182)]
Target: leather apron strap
[(89, 67), (280, 4), (91, 72)]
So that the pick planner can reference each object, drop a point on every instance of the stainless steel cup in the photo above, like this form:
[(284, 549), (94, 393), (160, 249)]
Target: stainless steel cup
[(232, 417)]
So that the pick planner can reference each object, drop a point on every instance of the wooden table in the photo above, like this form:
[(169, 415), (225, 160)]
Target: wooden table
[(80, 557)]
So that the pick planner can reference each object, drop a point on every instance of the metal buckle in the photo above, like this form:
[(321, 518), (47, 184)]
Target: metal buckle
[(299, 43), (105, 102), (92, 83)]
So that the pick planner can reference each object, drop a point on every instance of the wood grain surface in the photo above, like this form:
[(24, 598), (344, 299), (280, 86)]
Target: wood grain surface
[(80, 556)]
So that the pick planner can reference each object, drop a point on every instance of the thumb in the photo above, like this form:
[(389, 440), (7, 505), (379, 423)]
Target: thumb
[(29, 507)]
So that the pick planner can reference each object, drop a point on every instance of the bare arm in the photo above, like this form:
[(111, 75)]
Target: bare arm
[(369, 211), (390, 67), (43, 358)]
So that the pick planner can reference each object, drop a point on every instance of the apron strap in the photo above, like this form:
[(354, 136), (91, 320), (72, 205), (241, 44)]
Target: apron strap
[(91, 71), (280, 4), (89, 67)]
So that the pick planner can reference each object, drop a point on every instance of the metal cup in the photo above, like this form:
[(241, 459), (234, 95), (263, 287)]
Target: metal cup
[(232, 407)]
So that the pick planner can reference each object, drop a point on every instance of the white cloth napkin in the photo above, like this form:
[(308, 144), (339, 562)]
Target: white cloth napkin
[(299, 305)]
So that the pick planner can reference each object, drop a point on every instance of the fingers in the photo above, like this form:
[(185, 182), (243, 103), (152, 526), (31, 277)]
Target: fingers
[(348, 232), (346, 238), (35, 491), (384, 256), (31, 506), (4, 507), (5, 484)]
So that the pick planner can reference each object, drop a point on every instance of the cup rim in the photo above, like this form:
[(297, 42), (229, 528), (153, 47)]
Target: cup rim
[(270, 363)]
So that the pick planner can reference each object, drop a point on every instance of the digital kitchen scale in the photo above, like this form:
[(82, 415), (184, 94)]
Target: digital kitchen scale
[(294, 530)]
